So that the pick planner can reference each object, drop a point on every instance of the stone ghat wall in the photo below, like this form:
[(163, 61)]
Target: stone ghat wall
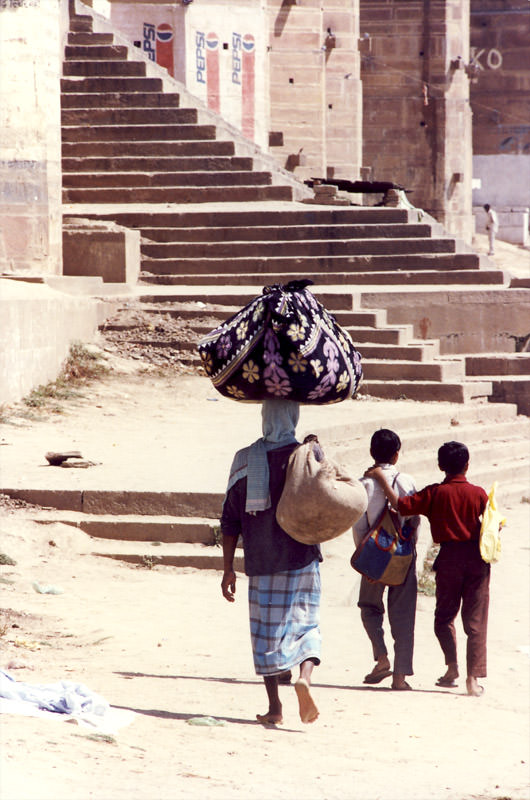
[(500, 92), (416, 116), (31, 47)]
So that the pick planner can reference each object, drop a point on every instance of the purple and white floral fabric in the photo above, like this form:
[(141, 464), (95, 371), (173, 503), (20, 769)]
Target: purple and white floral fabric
[(282, 344)]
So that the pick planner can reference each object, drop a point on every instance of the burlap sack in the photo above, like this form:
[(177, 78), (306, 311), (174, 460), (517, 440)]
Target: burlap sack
[(319, 501)]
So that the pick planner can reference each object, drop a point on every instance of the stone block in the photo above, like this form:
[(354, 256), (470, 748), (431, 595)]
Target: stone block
[(37, 326), (102, 249)]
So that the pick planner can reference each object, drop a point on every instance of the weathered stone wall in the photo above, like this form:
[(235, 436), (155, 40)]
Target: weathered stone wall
[(500, 96), (31, 41), (416, 116), (500, 100), (315, 92)]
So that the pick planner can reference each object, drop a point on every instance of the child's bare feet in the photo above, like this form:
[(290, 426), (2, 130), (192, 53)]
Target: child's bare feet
[(399, 682), (473, 687), (449, 679)]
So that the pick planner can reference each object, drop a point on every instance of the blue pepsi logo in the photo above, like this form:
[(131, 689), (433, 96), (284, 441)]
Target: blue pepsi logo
[(248, 42), (212, 41), (164, 32)]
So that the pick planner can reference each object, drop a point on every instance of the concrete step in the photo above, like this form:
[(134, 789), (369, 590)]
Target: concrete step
[(117, 69), (194, 148), (95, 50), (159, 164), (419, 354), (397, 334), (426, 390), (124, 133), (327, 264), (244, 217), (163, 272), (134, 528), (495, 364), (214, 194), (106, 85), (90, 38), (122, 502), (81, 23), (229, 301), (114, 180), (436, 417), (511, 389), (423, 351), (119, 100), (441, 370), (287, 233), (419, 448), (196, 556), (484, 469), (296, 249), (182, 346), (128, 116), (420, 443), (360, 317)]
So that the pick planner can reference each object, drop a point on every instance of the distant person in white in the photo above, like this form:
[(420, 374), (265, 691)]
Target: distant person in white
[(492, 226)]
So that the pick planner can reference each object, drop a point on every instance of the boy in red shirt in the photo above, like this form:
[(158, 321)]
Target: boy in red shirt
[(454, 509)]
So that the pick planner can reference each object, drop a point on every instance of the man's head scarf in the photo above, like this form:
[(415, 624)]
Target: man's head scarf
[(279, 419)]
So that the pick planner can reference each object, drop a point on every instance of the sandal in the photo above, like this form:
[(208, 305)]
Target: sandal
[(376, 677)]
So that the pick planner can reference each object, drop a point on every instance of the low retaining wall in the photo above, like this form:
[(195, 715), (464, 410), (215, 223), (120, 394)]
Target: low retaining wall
[(465, 321), (37, 326)]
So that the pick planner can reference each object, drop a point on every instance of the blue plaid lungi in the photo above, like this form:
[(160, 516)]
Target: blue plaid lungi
[(284, 618)]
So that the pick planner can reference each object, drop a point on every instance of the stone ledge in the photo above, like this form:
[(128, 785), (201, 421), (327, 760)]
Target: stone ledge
[(102, 249)]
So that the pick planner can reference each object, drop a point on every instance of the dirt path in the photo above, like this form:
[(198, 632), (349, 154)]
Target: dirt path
[(163, 643)]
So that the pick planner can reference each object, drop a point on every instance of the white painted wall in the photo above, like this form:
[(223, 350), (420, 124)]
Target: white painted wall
[(505, 180), (37, 326), (208, 42), (31, 41)]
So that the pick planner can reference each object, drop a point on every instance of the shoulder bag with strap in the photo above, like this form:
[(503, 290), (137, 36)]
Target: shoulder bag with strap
[(386, 551)]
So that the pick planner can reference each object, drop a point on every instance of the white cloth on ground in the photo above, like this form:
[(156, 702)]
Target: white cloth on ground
[(64, 697)]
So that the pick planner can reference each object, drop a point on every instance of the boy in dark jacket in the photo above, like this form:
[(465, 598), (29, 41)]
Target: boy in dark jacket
[(454, 509)]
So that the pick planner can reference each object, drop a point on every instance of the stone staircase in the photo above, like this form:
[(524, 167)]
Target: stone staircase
[(126, 140), (210, 255)]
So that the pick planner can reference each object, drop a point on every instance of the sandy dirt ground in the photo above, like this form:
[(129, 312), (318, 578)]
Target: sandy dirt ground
[(163, 643)]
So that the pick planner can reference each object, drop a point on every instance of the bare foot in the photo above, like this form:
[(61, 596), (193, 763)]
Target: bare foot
[(308, 709), (473, 687), (399, 682), (449, 679), (269, 719)]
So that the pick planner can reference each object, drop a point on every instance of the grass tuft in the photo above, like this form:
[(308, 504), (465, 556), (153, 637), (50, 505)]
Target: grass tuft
[(80, 368), (426, 579)]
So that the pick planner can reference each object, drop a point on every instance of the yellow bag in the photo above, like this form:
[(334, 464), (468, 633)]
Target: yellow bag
[(492, 522)]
